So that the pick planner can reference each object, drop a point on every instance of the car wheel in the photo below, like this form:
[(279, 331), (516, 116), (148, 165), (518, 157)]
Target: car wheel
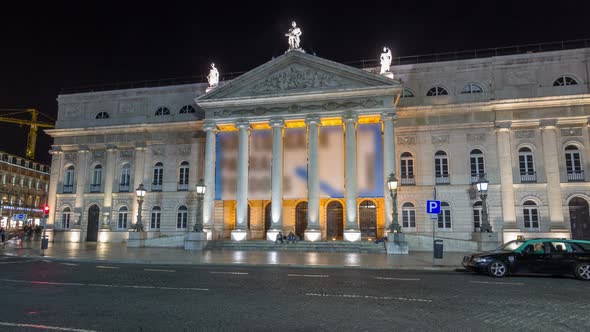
[(497, 269), (582, 271)]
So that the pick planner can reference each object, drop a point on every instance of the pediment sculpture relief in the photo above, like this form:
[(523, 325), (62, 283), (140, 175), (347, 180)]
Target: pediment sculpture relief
[(296, 79)]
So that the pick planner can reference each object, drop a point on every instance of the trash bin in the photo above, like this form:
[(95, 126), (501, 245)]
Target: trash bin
[(44, 243), (438, 249)]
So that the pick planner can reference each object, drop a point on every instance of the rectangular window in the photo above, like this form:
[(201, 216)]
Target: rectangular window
[(155, 224), (409, 218), (441, 167), (181, 222), (444, 219), (531, 218), (158, 173), (65, 220), (122, 220)]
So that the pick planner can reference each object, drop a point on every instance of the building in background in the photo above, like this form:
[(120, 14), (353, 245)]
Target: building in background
[(319, 139), (23, 190)]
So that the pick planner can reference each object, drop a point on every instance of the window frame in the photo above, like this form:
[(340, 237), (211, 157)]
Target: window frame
[(437, 91), (155, 217), (530, 211), (445, 217), (122, 218), (408, 216), (182, 217)]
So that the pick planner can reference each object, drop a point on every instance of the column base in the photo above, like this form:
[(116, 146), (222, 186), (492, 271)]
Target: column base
[(137, 239), (352, 235), (396, 244), (239, 235), (195, 241), (271, 234), (486, 241), (209, 233), (312, 235)]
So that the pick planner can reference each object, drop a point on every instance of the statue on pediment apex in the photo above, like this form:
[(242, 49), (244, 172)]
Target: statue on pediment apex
[(213, 76), (294, 35), (385, 60)]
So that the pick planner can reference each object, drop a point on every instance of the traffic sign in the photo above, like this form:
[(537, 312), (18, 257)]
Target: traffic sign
[(19, 217), (433, 207)]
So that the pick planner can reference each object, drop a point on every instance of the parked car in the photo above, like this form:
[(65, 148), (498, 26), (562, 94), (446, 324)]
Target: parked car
[(539, 256)]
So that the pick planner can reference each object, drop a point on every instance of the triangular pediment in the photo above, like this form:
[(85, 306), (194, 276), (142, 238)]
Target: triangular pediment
[(296, 73)]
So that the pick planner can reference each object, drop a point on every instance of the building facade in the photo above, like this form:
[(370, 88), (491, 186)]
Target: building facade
[(305, 144), (23, 189)]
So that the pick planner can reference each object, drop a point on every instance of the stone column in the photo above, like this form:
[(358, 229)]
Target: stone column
[(110, 170), (313, 231), (351, 229), (82, 175), (389, 164), (551, 159), (209, 199), (241, 230), (57, 169), (276, 179), (506, 179), (138, 178)]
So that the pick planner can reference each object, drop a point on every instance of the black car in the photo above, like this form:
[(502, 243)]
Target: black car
[(542, 256)]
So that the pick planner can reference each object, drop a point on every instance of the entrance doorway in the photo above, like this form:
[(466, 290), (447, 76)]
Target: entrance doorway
[(579, 219), (368, 219), (335, 222), (300, 219), (93, 216)]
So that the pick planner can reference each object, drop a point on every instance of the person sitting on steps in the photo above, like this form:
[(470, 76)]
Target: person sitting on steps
[(292, 238), (279, 237)]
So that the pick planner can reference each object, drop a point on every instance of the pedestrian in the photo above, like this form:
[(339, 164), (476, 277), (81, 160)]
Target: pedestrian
[(3, 234), (279, 238)]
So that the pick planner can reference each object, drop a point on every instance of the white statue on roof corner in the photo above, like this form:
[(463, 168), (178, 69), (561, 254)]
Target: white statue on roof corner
[(294, 39), (386, 62), (213, 77)]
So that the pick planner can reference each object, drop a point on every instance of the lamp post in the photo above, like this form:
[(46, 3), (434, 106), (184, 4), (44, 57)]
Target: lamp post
[(394, 227), (140, 192), (201, 188), (482, 189)]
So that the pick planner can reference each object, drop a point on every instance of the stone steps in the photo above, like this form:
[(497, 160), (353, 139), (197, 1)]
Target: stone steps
[(321, 246)]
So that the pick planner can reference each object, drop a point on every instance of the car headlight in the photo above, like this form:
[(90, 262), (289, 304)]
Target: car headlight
[(481, 259)]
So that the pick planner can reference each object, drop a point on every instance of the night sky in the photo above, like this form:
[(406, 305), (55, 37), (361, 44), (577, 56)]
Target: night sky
[(50, 45)]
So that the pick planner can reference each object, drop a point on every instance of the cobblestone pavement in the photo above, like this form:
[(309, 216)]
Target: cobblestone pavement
[(44, 295)]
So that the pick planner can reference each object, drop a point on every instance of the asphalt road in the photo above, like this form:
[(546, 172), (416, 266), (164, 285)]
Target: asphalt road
[(37, 295)]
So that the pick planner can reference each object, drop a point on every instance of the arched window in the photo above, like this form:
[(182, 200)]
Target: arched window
[(565, 80), (156, 215), (531, 215), (472, 88), (437, 91), (407, 93), (527, 165), (96, 179), (441, 167), (158, 176), (407, 169), (182, 217), (102, 115), (573, 164), (187, 109), (183, 176), (122, 224), (477, 165), (444, 218), (65, 218), (477, 217), (69, 180), (162, 111), (408, 215), (125, 178)]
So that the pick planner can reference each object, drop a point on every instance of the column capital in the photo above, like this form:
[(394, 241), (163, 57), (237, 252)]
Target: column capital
[(350, 117), (241, 124), (140, 146), (503, 126), (111, 148), (548, 124), (276, 122), (56, 150), (388, 116), (83, 149), (209, 126), (313, 119)]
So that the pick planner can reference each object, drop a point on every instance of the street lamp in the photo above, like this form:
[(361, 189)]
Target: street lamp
[(392, 186), (482, 189), (140, 192), (201, 188)]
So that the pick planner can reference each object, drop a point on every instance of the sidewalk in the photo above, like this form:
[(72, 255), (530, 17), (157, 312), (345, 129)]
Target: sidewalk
[(119, 253)]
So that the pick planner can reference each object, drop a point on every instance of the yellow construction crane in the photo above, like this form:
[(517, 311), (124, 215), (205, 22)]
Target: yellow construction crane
[(33, 125)]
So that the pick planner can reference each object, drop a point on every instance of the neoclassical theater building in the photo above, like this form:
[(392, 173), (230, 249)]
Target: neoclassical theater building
[(305, 144)]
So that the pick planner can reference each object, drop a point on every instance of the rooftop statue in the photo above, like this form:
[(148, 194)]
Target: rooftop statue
[(294, 40), (213, 76), (385, 60)]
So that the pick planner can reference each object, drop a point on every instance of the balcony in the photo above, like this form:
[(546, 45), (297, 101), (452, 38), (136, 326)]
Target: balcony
[(408, 180), (68, 188), (575, 176), (476, 176), (123, 187), (443, 179), (95, 188), (528, 177), (182, 186), (156, 187)]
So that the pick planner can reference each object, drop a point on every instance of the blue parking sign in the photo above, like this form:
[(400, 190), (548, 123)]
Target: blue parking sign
[(433, 207)]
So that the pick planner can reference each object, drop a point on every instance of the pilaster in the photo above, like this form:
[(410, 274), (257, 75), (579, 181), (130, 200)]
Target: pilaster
[(209, 199), (506, 179), (276, 177), (551, 159)]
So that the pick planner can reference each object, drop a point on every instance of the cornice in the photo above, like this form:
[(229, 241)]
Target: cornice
[(127, 129)]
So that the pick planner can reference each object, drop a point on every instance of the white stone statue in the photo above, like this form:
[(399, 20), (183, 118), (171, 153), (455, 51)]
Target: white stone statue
[(385, 60), (213, 76), (294, 34)]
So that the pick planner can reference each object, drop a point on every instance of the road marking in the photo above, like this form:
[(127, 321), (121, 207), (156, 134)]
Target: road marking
[(69, 264), (45, 327), (106, 267), (54, 283), (392, 278), (354, 296), (158, 270), (220, 272), (497, 283), (46, 260), (16, 262), (308, 275)]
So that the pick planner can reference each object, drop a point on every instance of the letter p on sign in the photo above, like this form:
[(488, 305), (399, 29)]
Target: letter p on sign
[(433, 207)]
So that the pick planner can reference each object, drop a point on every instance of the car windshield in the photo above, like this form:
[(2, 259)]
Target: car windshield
[(510, 246)]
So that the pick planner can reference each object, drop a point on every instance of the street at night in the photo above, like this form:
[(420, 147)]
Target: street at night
[(77, 296)]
